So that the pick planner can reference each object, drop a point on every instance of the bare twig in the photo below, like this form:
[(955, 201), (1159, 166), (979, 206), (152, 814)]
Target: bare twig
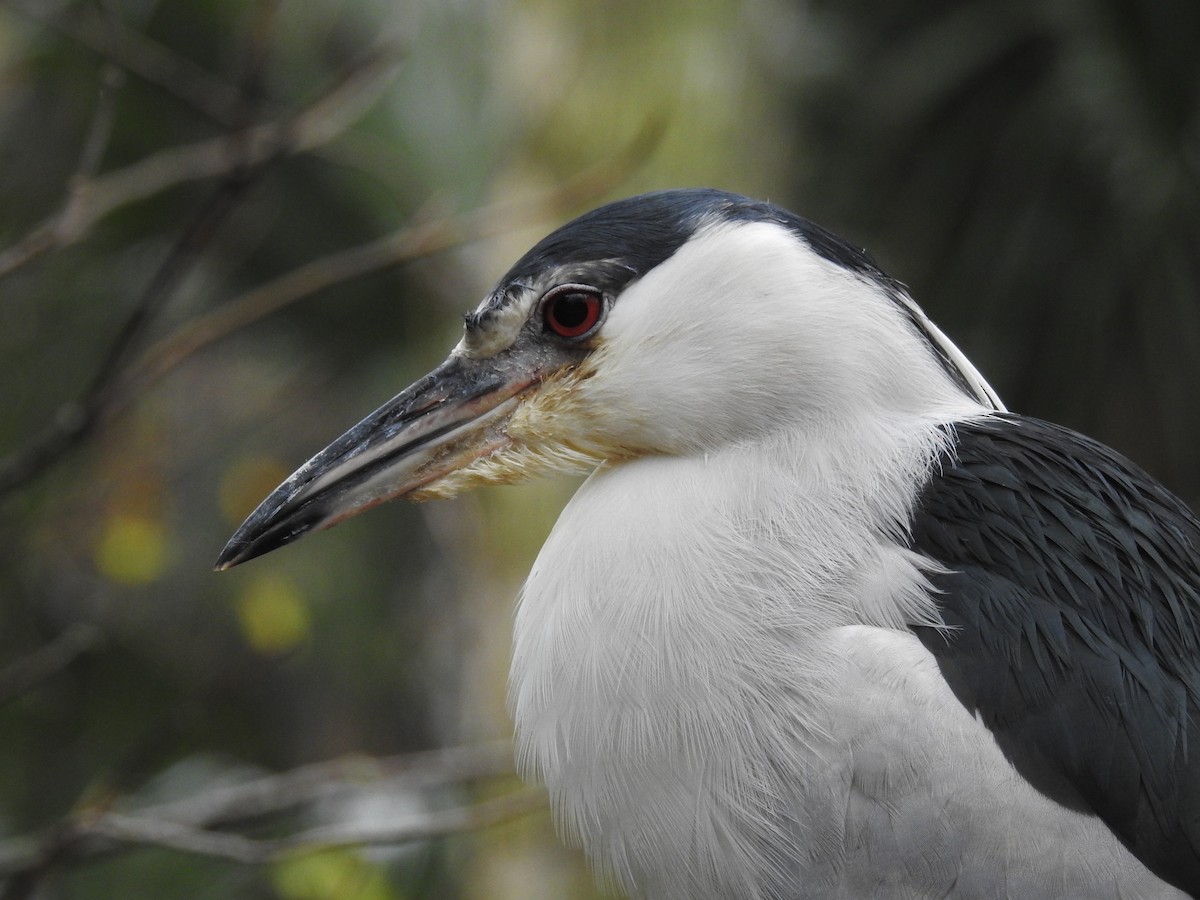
[(168, 276), (273, 794), (150, 833), (198, 235), (255, 68), (141, 831), (439, 823), (43, 239), (188, 825), (320, 122), (132, 51), (77, 418), (100, 130), (236, 158), (19, 677)]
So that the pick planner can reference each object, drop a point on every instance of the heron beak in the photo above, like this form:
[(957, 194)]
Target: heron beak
[(454, 415)]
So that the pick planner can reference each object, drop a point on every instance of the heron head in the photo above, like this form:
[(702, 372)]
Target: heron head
[(668, 323)]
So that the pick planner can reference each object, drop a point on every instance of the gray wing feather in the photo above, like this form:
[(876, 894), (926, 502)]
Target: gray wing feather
[(1072, 593)]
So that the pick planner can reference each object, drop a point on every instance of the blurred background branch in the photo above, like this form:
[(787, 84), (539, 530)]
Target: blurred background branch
[(91, 198), (22, 675), (76, 420), (144, 831), (130, 50), (190, 824)]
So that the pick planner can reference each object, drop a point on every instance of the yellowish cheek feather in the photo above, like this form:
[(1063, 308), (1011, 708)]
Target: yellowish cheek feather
[(550, 432)]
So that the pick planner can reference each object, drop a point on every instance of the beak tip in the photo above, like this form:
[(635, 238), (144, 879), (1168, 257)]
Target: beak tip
[(233, 554), (268, 529), (389, 454)]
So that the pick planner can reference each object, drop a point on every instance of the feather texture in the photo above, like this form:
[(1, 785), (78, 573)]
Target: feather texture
[(1072, 590)]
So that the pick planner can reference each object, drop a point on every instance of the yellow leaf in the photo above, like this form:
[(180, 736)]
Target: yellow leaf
[(329, 875), (131, 549), (273, 614)]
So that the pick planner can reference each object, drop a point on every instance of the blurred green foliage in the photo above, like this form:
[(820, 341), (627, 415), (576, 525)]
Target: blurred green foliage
[(1030, 169)]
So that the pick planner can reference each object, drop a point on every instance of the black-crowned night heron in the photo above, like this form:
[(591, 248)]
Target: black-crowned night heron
[(825, 620)]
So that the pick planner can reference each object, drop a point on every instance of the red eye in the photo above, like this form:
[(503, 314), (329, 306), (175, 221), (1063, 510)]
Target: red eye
[(571, 311)]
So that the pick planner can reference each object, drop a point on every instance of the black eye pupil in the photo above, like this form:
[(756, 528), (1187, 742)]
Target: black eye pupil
[(571, 310), (571, 313)]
